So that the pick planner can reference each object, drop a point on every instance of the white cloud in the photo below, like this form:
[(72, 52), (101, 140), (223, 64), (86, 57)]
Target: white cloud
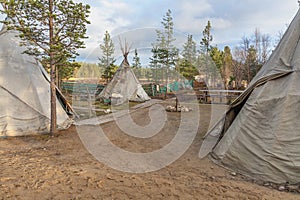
[(231, 19), (108, 16)]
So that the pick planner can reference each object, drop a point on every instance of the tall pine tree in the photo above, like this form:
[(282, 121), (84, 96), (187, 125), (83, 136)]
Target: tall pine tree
[(205, 48), (187, 64), (206, 40), (107, 59), (136, 64), (165, 54), (52, 31), (227, 67)]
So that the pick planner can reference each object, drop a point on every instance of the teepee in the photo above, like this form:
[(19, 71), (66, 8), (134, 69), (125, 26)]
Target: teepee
[(259, 135), (24, 91), (124, 85)]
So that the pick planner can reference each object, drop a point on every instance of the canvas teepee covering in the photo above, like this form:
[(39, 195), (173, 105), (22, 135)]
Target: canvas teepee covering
[(24, 91), (124, 86), (259, 135)]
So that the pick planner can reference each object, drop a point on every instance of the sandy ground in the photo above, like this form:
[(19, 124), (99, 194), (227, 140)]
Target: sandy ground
[(60, 167)]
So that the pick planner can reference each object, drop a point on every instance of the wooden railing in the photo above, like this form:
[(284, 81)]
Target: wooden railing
[(218, 96)]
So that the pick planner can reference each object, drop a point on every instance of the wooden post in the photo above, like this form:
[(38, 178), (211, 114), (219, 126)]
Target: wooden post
[(176, 105), (89, 102)]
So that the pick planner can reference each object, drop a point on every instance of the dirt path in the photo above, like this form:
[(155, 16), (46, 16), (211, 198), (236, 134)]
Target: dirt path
[(60, 167)]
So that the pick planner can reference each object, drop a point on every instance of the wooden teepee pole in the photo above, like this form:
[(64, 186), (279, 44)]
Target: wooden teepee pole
[(125, 49)]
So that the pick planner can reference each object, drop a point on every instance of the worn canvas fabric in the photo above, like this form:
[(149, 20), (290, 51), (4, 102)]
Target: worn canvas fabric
[(24, 91), (259, 135), (124, 87)]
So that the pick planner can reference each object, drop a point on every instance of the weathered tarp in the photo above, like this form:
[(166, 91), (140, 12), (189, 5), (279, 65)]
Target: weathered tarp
[(24, 91), (123, 87), (259, 135)]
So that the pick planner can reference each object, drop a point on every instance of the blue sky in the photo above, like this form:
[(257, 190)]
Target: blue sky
[(137, 20)]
